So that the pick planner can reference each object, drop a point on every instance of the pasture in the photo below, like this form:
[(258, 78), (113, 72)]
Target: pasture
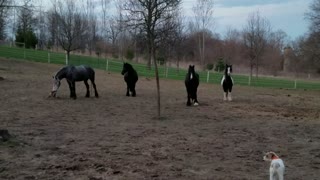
[(118, 137), (114, 65)]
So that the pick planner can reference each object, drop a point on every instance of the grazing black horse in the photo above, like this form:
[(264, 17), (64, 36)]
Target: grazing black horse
[(227, 83), (192, 83), (131, 78), (73, 74)]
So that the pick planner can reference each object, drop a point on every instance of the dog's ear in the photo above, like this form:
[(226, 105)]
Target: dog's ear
[(273, 154)]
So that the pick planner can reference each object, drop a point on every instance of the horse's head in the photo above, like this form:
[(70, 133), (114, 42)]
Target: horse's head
[(55, 86), (126, 68), (228, 70)]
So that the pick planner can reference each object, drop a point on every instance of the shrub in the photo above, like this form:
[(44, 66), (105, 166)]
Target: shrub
[(161, 60), (209, 66), (130, 54)]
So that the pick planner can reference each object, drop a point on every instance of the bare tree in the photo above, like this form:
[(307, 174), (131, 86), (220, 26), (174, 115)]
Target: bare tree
[(151, 16), (113, 33), (104, 16), (232, 46), (71, 26), (178, 40), (89, 10), (4, 6), (255, 36), (311, 44), (203, 11)]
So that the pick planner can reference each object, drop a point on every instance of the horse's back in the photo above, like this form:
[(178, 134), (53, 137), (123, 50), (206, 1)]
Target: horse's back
[(131, 76), (82, 73)]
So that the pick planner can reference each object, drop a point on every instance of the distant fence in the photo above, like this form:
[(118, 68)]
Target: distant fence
[(164, 71)]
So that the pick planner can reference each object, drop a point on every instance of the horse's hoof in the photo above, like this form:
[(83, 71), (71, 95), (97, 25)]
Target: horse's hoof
[(188, 104), (196, 104)]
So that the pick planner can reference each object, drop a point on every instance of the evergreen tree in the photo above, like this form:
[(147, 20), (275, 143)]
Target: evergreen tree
[(25, 33)]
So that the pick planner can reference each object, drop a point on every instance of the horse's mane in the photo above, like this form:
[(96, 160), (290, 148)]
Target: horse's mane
[(62, 71), (128, 66)]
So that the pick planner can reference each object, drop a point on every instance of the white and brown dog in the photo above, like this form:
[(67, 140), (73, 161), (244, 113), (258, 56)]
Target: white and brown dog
[(277, 166)]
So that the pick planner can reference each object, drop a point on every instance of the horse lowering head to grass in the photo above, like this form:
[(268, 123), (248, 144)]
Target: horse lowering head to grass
[(131, 78), (192, 83), (73, 74)]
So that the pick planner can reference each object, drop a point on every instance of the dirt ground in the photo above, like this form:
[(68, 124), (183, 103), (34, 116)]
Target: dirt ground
[(118, 137)]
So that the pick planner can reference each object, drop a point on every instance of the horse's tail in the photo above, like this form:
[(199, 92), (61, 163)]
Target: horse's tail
[(91, 86)]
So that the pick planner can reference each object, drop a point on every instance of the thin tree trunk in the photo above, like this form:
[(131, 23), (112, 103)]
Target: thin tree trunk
[(157, 81), (257, 67), (200, 51), (149, 54), (251, 68), (203, 44), (68, 58)]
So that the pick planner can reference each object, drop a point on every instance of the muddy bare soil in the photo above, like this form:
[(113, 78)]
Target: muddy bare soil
[(118, 137)]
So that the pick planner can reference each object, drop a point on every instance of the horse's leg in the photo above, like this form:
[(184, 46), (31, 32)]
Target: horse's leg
[(225, 92), (95, 90), (189, 96), (74, 90), (196, 103), (70, 88), (229, 96), (133, 89), (87, 86), (128, 88)]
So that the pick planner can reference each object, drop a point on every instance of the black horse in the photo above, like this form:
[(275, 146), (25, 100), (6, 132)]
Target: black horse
[(192, 83), (131, 78), (227, 83), (73, 74)]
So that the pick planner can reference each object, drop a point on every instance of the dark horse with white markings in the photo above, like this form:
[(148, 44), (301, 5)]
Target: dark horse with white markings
[(192, 83), (73, 74), (227, 83), (131, 78)]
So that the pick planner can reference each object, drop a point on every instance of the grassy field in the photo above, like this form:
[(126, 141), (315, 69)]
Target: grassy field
[(114, 65)]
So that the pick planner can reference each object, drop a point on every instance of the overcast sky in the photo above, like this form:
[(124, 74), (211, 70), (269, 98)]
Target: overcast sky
[(288, 15)]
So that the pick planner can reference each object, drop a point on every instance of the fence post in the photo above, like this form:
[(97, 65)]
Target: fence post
[(249, 82), (107, 65), (208, 76), (49, 57), (295, 84)]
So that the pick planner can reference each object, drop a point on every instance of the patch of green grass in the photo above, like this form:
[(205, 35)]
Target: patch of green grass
[(164, 72)]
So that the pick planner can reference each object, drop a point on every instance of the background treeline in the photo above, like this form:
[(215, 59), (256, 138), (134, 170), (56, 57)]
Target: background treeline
[(118, 29)]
